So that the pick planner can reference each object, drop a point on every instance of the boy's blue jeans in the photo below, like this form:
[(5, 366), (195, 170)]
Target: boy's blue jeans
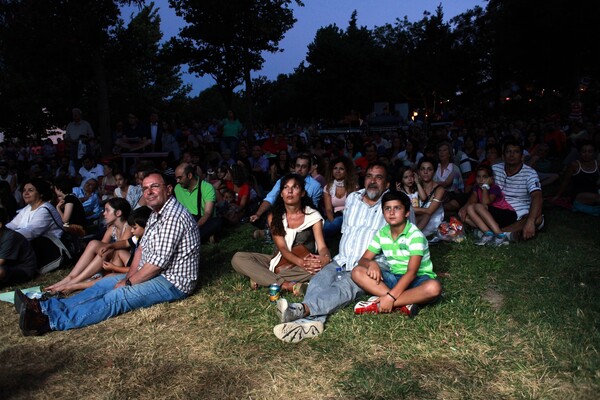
[(102, 301)]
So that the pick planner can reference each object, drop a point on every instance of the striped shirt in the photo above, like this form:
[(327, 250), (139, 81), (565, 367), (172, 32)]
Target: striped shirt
[(171, 242), (361, 222), (411, 242), (517, 188)]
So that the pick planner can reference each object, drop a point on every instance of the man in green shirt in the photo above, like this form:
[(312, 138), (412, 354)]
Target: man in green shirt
[(199, 198)]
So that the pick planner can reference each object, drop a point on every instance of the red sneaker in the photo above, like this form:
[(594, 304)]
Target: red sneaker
[(366, 307), (410, 310)]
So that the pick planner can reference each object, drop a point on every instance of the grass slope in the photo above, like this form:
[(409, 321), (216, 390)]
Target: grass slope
[(515, 322)]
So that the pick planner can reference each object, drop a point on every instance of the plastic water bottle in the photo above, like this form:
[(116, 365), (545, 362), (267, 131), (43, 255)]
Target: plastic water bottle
[(268, 237), (338, 273)]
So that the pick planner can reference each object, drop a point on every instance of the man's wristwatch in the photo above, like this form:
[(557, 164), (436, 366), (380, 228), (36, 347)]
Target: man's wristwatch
[(127, 282)]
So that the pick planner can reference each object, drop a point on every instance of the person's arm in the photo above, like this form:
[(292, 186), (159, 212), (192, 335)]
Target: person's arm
[(264, 206), (65, 214), (487, 197), (147, 272), (436, 202), (420, 190), (386, 303), (208, 212), (328, 206), (367, 261), (324, 256), (535, 211)]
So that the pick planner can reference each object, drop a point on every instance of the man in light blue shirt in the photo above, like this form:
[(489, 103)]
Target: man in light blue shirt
[(313, 188)]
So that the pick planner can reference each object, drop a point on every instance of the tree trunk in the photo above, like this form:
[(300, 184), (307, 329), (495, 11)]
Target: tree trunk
[(103, 129), (248, 100)]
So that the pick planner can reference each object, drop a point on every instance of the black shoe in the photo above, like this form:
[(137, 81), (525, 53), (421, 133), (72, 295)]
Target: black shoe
[(21, 299), (33, 322)]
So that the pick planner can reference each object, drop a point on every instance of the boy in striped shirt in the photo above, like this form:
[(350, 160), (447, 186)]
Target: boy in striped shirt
[(410, 280)]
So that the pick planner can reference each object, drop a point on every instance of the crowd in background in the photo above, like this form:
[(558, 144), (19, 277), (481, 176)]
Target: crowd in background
[(237, 167)]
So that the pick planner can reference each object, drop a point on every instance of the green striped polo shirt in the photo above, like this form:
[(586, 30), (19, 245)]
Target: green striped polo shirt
[(411, 242)]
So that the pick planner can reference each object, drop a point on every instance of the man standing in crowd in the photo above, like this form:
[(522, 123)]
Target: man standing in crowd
[(167, 261), (75, 130)]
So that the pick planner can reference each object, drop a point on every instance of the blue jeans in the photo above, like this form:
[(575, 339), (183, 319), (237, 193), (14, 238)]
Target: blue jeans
[(102, 301), (325, 295), (333, 228), (391, 279)]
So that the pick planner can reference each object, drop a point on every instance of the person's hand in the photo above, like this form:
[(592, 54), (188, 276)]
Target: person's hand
[(107, 266), (374, 272), (398, 186), (104, 250), (462, 213), (386, 304), (119, 284), (529, 230), (312, 263), (60, 204), (253, 218)]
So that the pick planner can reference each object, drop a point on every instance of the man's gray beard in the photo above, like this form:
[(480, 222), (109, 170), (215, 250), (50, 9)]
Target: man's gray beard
[(372, 194)]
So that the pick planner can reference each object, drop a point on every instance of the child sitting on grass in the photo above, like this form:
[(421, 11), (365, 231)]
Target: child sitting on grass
[(123, 257), (124, 251), (411, 280), (487, 209)]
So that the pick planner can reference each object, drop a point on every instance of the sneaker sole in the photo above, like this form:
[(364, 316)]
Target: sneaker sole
[(293, 333)]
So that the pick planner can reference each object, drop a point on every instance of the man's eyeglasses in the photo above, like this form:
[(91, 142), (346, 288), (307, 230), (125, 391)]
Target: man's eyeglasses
[(154, 186)]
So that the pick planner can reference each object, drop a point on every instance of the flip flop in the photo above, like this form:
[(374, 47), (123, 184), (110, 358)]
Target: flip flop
[(299, 288)]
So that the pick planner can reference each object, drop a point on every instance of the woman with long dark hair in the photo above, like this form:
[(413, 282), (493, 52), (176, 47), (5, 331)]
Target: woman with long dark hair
[(293, 223), (340, 182)]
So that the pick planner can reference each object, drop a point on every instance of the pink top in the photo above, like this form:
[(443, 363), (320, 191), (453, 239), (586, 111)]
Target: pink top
[(337, 203)]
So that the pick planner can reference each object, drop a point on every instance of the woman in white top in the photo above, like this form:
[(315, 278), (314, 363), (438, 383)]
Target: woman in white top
[(38, 217), (431, 213), (341, 181), (292, 222), (131, 193)]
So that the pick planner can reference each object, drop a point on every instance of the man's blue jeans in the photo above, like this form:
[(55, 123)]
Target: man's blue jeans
[(102, 301), (325, 294)]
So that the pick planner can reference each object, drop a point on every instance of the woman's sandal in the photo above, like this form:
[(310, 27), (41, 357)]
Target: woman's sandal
[(299, 289)]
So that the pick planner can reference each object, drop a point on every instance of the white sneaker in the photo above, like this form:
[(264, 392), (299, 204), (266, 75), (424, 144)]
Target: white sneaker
[(289, 312), (500, 241), (292, 332), (485, 239)]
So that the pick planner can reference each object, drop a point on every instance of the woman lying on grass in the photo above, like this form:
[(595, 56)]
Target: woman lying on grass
[(116, 212)]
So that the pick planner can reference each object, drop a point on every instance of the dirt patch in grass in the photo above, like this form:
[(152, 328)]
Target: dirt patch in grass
[(493, 297)]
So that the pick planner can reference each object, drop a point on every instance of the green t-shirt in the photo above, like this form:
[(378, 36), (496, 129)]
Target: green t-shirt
[(411, 242), (190, 199)]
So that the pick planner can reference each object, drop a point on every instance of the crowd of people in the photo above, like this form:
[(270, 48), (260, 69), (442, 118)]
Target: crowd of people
[(379, 197)]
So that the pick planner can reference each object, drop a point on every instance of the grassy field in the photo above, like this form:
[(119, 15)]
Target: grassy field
[(516, 322)]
